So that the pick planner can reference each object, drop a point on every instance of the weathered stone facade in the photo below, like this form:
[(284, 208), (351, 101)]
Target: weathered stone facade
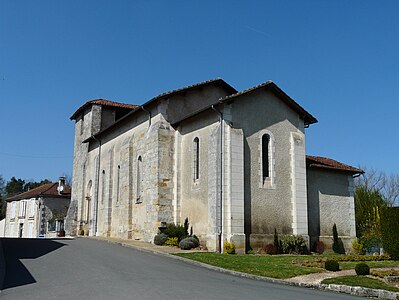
[(231, 162)]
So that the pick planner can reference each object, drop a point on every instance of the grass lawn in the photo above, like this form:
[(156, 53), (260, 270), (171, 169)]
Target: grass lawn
[(276, 266), (346, 265), (362, 281)]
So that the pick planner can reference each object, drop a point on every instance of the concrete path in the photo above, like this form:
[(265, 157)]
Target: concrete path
[(92, 269)]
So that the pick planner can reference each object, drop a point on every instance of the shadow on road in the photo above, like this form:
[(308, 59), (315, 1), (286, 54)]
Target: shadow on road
[(15, 249)]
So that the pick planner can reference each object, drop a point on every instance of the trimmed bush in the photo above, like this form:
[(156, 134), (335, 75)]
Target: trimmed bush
[(362, 269), (293, 244), (390, 230), (172, 241), (270, 249), (175, 231), (160, 239), (358, 248), (331, 265), (229, 248), (276, 242), (188, 243)]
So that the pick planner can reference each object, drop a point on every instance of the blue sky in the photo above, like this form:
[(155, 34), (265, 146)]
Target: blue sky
[(338, 59)]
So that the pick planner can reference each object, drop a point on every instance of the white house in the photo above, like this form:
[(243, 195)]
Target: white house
[(38, 212)]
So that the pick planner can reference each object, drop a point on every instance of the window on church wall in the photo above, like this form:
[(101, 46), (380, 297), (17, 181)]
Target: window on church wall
[(196, 161), (118, 174), (82, 123), (265, 156), (139, 179), (102, 187)]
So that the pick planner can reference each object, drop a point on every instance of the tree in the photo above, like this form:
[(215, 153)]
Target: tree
[(3, 204), (386, 185), (367, 206), (14, 186), (34, 184)]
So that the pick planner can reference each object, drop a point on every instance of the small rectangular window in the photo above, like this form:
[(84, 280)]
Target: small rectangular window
[(265, 156), (196, 151)]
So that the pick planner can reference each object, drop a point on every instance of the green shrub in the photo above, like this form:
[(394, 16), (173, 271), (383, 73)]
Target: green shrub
[(319, 247), (172, 241), (175, 231), (358, 248), (160, 239), (229, 248), (293, 244), (362, 269), (188, 243), (338, 246), (276, 242), (390, 230), (270, 249), (331, 265)]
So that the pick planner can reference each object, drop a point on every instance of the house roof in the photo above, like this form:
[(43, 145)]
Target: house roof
[(46, 190), (307, 117), (328, 163), (102, 102), (217, 81)]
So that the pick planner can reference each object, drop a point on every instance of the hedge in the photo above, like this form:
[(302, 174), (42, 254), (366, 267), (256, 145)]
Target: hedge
[(390, 230)]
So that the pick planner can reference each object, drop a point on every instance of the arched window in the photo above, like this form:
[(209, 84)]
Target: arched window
[(102, 187), (118, 175), (139, 178), (196, 159), (265, 156)]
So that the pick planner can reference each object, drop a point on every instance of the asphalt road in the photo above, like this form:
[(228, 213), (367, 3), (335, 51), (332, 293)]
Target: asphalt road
[(92, 269)]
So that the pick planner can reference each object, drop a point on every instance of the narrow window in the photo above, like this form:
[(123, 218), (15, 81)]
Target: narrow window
[(196, 159), (103, 187), (265, 156), (117, 183), (139, 178), (82, 123)]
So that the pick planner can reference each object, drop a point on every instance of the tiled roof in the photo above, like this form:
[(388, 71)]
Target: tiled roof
[(102, 102), (307, 117), (215, 80), (328, 163), (48, 189)]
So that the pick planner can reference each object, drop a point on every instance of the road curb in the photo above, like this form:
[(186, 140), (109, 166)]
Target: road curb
[(343, 289)]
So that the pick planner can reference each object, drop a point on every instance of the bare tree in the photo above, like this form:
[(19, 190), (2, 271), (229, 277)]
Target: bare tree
[(386, 185)]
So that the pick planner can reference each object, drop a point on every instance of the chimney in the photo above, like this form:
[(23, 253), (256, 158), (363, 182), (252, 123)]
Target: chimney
[(61, 185)]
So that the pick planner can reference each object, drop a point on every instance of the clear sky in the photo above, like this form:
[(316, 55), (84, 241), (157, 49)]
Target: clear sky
[(338, 59)]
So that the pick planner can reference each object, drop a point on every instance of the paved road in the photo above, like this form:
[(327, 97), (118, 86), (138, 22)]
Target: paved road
[(92, 269)]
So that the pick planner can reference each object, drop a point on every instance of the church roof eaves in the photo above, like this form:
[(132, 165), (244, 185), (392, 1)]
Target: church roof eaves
[(102, 102), (331, 164), (307, 117), (165, 95)]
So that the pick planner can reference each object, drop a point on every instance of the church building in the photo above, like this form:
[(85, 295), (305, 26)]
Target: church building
[(232, 162)]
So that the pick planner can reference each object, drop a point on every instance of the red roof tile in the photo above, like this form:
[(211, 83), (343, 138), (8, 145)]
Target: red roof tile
[(328, 163), (48, 189), (102, 102)]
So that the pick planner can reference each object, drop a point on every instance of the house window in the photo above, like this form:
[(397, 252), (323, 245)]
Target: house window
[(32, 208), (265, 156), (139, 178), (52, 225), (196, 159), (21, 230), (13, 205), (11, 233), (22, 209)]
